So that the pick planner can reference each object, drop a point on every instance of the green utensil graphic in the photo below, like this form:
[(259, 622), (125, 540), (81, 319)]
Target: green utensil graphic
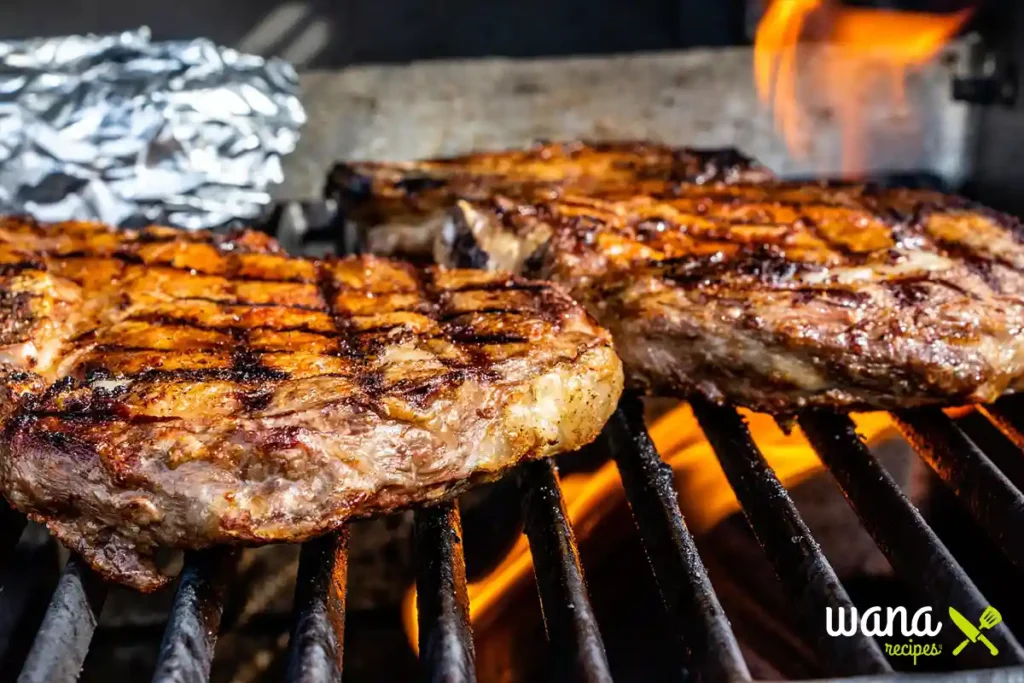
[(989, 618)]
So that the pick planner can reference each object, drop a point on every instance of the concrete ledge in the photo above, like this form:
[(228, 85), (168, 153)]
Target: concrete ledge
[(698, 97)]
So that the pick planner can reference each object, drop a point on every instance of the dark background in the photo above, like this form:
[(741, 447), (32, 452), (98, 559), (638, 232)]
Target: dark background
[(331, 33)]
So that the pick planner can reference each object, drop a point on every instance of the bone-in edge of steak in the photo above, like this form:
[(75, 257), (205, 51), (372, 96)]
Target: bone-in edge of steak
[(181, 390), (401, 205), (780, 296)]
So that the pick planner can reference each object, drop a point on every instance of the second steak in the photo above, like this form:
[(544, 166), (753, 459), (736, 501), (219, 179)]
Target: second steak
[(779, 296)]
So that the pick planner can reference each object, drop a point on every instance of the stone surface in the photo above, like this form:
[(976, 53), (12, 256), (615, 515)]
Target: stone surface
[(699, 97)]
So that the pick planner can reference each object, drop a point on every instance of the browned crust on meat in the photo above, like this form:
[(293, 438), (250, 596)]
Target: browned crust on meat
[(400, 202), (203, 389), (783, 295)]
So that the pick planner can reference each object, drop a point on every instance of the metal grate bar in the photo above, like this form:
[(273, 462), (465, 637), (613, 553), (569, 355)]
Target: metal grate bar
[(11, 525), (988, 495), (678, 570), (442, 602), (576, 647), (63, 639), (186, 652), (913, 549), (1003, 453), (317, 641), (798, 561), (1008, 414)]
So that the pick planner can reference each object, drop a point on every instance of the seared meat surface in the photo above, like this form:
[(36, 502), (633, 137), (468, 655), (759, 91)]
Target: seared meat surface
[(780, 295), (181, 390), (404, 203)]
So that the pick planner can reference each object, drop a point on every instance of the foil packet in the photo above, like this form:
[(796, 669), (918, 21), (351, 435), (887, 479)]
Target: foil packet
[(128, 131)]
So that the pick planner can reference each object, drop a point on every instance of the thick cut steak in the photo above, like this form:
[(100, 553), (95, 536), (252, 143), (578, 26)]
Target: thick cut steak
[(182, 390), (404, 203), (779, 295)]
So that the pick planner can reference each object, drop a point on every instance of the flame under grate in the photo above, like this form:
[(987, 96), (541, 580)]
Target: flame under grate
[(952, 449)]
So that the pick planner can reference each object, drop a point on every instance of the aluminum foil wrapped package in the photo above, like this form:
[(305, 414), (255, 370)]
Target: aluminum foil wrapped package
[(130, 131)]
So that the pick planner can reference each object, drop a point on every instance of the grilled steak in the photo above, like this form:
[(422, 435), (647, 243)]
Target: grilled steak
[(169, 389), (405, 203), (779, 296)]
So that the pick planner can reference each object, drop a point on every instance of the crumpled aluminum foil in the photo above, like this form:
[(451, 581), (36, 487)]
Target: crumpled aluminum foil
[(128, 131)]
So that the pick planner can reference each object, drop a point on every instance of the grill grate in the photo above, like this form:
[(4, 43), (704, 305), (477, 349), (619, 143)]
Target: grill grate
[(446, 642), (798, 561), (316, 643), (985, 491), (63, 639), (186, 653), (577, 650), (912, 548), (678, 570), (959, 452)]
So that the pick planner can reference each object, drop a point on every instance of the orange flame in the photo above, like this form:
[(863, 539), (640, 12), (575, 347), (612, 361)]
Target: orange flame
[(871, 53), (704, 494)]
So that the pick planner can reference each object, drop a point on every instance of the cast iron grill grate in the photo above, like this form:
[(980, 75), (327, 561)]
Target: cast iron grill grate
[(957, 451)]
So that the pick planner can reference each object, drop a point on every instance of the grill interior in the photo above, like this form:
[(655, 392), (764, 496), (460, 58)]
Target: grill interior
[(969, 456)]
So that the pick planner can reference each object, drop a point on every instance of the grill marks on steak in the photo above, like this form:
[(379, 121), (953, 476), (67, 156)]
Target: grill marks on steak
[(405, 202), (781, 295), (194, 389), (771, 294)]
